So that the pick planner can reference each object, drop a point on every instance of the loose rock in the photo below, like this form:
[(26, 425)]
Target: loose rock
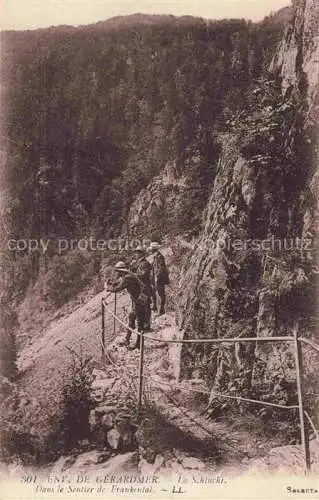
[(114, 439)]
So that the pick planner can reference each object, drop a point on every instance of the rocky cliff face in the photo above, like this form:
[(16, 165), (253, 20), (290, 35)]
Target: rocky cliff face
[(153, 208), (297, 60), (250, 275), (298, 52)]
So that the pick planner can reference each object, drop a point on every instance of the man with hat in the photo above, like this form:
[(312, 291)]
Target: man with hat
[(126, 280), (143, 269), (159, 276)]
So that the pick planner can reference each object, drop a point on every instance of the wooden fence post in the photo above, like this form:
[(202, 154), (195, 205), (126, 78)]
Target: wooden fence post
[(114, 319), (103, 328), (140, 376), (299, 375)]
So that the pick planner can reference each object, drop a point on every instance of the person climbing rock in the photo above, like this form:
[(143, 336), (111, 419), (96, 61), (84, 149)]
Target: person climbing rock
[(143, 269), (126, 280), (160, 277)]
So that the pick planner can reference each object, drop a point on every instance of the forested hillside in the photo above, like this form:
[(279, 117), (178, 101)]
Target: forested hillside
[(94, 113)]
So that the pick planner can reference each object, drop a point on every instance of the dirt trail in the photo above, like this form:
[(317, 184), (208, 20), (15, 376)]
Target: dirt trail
[(44, 363), (183, 432)]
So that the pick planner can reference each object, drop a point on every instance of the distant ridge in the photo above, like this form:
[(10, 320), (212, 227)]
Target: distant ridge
[(278, 18), (281, 17), (139, 19)]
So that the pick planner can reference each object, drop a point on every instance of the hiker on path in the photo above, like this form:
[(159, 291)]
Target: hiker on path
[(143, 269), (126, 280), (160, 277)]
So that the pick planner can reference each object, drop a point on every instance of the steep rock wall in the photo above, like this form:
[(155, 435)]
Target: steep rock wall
[(299, 50), (153, 208), (264, 190)]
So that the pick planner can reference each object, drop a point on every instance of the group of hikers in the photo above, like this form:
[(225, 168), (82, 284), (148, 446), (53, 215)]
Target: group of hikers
[(144, 280)]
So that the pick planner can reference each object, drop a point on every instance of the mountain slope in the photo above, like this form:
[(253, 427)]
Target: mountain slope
[(242, 279), (175, 430), (92, 108)]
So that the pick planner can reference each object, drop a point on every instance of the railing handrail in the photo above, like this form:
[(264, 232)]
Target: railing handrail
[(285, 338), (295, 338)]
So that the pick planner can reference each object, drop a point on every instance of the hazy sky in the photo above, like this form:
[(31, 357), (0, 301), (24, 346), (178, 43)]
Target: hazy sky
[(29, 14)]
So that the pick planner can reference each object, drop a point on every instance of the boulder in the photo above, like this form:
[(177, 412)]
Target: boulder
[(107, 421), (193, 463), (114, 439)]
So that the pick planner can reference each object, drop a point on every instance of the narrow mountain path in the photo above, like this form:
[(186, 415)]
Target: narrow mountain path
[(182, 428), (182, 432), (44, 363)]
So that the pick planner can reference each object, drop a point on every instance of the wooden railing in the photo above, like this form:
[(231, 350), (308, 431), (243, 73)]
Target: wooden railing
[(295, 339)]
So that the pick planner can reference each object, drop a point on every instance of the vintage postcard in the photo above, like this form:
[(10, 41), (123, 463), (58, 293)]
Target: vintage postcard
[(159, 272)]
